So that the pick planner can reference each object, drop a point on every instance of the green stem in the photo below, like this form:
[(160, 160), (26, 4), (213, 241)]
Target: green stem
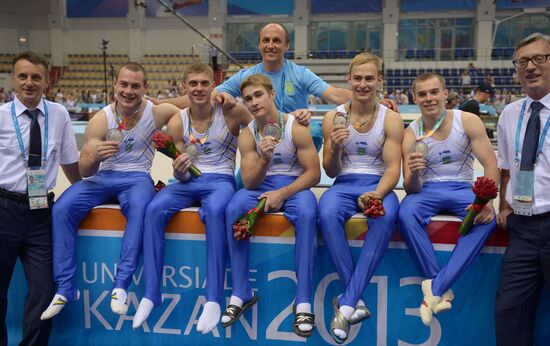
[(194, 171)]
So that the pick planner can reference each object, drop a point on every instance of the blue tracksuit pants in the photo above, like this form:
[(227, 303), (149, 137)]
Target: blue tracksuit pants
[(213, 192), (336, 206), (300, 209), (133, 190), (414, 215)]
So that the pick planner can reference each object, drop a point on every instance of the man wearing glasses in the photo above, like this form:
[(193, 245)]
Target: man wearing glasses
[(524, 162)]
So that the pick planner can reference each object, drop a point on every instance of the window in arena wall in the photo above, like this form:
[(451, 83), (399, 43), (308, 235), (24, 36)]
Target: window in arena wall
[(345, 36), (510, 32), (438, 39), (244, 37)]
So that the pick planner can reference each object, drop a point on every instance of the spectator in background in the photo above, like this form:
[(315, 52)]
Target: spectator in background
[(453, 100), (490, 80), (3, 96), (465, 81), (214, 57), (482, 94), (473, 70), (59, 97)]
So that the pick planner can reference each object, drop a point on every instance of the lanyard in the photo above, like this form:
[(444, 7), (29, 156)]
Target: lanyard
[(518, 130), (434, 128), (190, 134), (281, 126), (20, 137), (280, 94)]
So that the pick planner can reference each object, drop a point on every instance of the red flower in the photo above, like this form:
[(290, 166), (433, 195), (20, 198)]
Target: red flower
[(159, 186), (165, 145), (244, 227), (373, 207), (485, 189)]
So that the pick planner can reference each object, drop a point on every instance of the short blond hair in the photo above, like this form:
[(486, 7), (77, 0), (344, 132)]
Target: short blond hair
[(364, 58), (426, 76), (257, 80), (198, 67)]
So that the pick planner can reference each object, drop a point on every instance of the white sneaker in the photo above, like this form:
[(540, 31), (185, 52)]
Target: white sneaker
[(429, 302), (56, 305), (119, 303), (445, 303)]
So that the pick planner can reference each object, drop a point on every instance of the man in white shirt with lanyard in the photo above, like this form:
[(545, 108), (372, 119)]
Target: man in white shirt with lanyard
[(438, 157), (524, 162), (36, 137)]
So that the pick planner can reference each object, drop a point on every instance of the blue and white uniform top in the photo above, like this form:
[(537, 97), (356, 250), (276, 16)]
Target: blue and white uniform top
[(217, 153), (285, 159), (450, 159), (292, 84), (136, 152), (362, 152)]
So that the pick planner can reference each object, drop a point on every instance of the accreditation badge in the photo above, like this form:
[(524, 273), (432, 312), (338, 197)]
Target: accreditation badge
[(522, 198), (36, 187)]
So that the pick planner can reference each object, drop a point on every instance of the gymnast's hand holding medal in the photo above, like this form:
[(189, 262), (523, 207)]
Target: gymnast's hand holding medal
[(419, 149), (272, 135)]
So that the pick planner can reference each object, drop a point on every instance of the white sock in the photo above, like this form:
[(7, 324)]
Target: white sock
[(209, 318), (119, 305), (304, 307), (358, 314), (347, 311), (56, 305), (233, 301), (144, 310)]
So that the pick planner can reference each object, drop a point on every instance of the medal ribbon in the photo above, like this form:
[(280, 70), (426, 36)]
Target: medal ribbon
[(434, 128), (192, 138)]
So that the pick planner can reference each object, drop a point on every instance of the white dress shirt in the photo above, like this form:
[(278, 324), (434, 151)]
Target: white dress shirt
[(61, 144), (506, 133)]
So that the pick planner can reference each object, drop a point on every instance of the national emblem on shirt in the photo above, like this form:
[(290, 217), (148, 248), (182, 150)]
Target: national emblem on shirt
[(289, 87)]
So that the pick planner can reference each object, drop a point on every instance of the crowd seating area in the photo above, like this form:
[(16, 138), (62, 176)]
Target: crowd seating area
[(86, 71), (402, 78)]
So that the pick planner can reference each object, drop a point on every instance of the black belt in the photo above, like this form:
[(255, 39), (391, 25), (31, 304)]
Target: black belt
[(20, 197)]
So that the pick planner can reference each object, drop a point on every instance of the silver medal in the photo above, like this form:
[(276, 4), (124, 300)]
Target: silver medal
[(114, 135), (273, 130), (340, 119), (420, 147), (191, 150)]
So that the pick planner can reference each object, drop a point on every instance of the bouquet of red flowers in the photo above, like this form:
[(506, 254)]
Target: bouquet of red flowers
[(373, 207), (165, 144), (244, 227), (485, 190)]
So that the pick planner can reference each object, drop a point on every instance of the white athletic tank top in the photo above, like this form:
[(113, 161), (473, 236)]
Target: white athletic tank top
[(136, 152), (450, 159), (284, 160), (363, 151), (217, 153)]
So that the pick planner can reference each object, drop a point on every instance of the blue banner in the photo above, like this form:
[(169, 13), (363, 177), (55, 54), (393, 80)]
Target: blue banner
[(97, 8), (348, 6), (252, 7), (502, 4), (436, 5), (393, 298)]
